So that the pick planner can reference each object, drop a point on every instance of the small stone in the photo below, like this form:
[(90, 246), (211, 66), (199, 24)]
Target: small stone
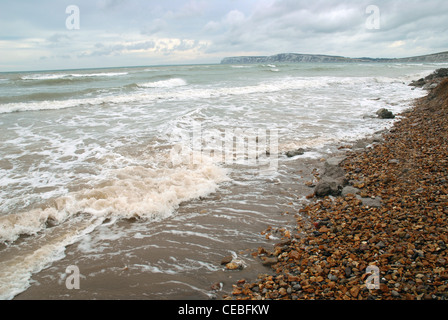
[(394, 161), (217, 286), (395, 294), (354, 292), (282, 291), (268, 261), (235, 265), (297, 287), (348, 271), (363, 246), (236, 291), (226, 260), (332, 277), (384, 288), (294, 255), (380, 245)]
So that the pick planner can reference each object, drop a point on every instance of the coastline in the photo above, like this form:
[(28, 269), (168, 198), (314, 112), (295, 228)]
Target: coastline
[(385, 236), (181, 258)]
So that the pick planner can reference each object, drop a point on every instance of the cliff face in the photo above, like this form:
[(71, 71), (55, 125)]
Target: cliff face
[(285, 58), (300, 58)]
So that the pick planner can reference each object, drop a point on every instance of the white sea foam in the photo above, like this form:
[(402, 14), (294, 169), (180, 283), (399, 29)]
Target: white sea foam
[(56, 76), (184, 94), (130, 192), (19, 263), (171, 83), (127, 193), (193, 93)]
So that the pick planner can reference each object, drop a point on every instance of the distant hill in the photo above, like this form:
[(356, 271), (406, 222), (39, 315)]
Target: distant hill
[(319, 58)]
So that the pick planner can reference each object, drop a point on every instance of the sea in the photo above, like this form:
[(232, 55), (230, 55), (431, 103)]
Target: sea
[(135, 182)]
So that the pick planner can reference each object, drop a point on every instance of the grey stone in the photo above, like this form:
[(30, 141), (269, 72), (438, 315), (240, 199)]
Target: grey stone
[(294, 153), (297, 287), (335, 161), (332, 277), (333, 171), (373, 203), (433, 85), (349, 190), (394, 161), (380, 245)]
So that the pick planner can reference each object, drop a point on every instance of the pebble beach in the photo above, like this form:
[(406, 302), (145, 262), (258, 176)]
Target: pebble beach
[(381, 231)]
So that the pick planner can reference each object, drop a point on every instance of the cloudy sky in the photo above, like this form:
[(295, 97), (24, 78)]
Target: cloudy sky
[(51, 34)]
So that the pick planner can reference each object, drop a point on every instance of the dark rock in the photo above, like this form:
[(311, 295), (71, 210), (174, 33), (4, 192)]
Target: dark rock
[(385, 114), (430, 82), (348, 271), (419, 83), (327, 188), (439, 73), (294, 153)]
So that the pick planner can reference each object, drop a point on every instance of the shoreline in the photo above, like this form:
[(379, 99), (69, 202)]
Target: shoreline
[(385, 236), (137, 276)]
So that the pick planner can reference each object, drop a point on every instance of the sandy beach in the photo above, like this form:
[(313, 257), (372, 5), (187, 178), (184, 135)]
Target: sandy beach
[(385, 237), (138, 226)]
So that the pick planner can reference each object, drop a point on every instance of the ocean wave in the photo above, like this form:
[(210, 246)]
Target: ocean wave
[(189, 93), (130, 192), (186, 94), (58, 76), (171, 83)]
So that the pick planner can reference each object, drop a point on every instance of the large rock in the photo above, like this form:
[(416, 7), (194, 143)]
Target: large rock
[(430, 82), (373, 203), (385, 114), (328, 188), (293, 153), (333, 179)]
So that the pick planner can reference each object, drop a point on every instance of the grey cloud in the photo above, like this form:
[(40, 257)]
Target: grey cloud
[(328, 26), (214, 28), (101, 49)]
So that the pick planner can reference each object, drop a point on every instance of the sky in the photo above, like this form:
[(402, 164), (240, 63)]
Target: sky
[(72, 34)]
